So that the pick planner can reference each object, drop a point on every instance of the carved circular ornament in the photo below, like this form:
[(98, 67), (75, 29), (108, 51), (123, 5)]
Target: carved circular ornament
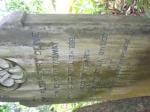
[(11, 74)]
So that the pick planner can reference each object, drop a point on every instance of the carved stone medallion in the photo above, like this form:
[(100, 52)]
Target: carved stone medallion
[(11, 74)]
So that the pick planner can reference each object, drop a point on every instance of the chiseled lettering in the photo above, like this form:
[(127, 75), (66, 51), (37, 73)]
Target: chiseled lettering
[(72, 42), (55, 53), (124, 51), (102, 49)]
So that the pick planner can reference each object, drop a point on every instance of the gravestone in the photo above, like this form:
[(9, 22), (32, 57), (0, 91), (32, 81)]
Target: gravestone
[(137, 104), (48, 59)]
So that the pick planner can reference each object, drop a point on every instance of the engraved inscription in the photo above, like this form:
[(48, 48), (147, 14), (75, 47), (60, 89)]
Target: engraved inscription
[(72, 42), (120, 63), (103, 44), (89, 76), (101, 57), (38, 53), (123, 53), (70, 64), (85, 68), (86, 60), (55, 54), (55, 60)]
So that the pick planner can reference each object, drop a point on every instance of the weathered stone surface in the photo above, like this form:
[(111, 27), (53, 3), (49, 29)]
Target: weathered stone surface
[(67, 58), (139, 104)]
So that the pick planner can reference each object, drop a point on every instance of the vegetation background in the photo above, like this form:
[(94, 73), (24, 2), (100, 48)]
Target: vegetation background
[(99, 7), (116, 7)]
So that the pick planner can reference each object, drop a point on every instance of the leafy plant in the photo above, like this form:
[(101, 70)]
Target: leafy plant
[(86, 7), (16, 5), (118, 7), (34, 6), (4, 108)]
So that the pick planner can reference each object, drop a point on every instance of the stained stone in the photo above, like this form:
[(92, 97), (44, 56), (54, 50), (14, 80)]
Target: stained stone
[(137, 104), (52, 59)]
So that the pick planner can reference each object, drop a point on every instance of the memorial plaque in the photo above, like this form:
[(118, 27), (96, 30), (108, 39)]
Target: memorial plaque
[(66, 58)]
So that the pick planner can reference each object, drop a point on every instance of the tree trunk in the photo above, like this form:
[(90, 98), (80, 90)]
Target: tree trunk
[(66, 58)]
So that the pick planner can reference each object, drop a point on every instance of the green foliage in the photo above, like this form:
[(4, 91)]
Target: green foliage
[(144, 3), (77, 6), (16, 5), (77, 106), (4, 108), (129, 1), (34, 6), (46, 108), (99, 6), (87, 7), (140, 3)]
